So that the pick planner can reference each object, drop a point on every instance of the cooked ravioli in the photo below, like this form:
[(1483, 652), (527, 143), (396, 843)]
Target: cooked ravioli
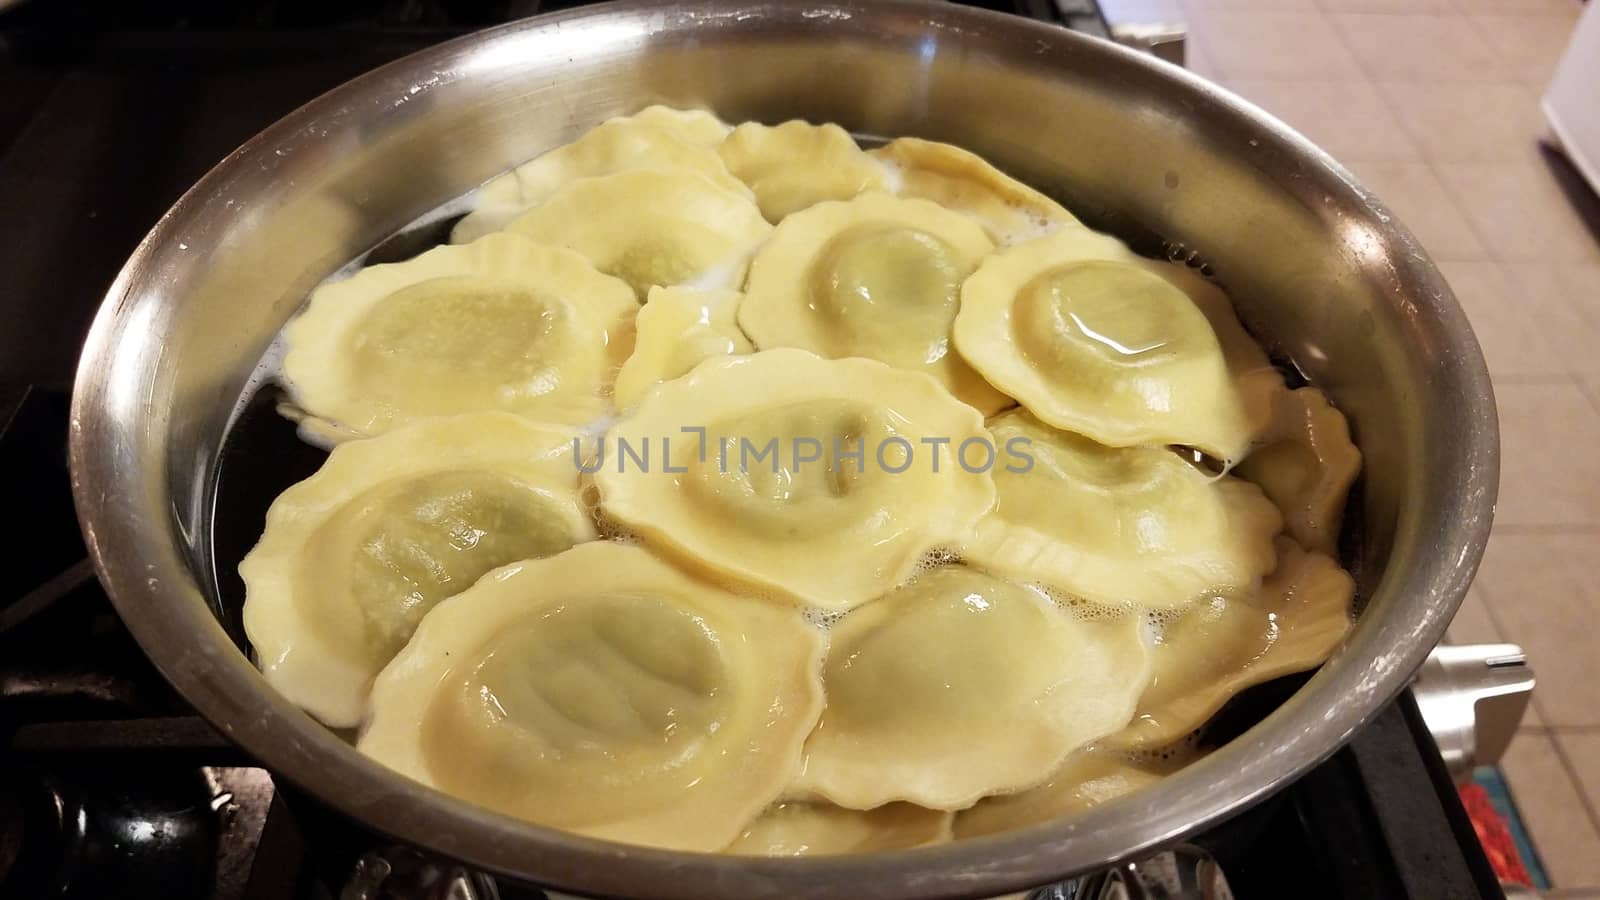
[(677, 329), (876, 276), (797, 164), (501, 323), (695, 126), (353, 556), (958, 685), (823, 480), (1306, 465), (1237, 640), (652, 227), (798, 828), (604, 692), (1123, 350), (1132, 526), (656, 138), (1010, 211), (1089, 778), (859, 601)]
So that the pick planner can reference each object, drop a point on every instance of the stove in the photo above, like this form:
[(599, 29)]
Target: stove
[(110, 786)]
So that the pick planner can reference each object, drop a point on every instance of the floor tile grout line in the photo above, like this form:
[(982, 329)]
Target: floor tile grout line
[(1423, 154), (1578, 791), (1489, 248), (1546, 728), (1500, 55), (1348, 161), (1428, 161), (1500, 628), (1590, 394), (1482, 33), (1529, 94), (1450, 194), (1522, 379), (1538, 704), (1344, 41), (1375, 78), (1572, 773), (1577, 782), (1483, 600), (1423, 157), (1507, 637), (1198, 37), (1576, 378), (1314, 9)]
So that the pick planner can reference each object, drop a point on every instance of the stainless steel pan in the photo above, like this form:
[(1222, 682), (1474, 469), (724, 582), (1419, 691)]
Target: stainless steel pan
[(1320, 270)]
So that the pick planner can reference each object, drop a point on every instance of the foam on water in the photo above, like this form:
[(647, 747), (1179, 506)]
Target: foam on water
[(722, 276), (617, 533), (1162, 619), (822, 619), (1037, 227), (894, 177), (1179, 753), (933, 559), (1079, 608)]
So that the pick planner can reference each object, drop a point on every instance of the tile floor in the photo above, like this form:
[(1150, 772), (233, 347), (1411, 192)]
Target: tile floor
[(1434, 105)]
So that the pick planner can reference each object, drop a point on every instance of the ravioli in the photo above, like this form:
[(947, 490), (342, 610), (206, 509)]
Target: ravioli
[(912, 478), (958, 685), (694, 126), (353, 556), (677, 329), (1219, 648), (798, 828), (657, 138), (501, 323), (1123, 350), (1306, 466), (1089, 778), (875, 276), (652, 227), (814, 479), (604, 692), (795, 165), (1010, 211), (1135, 526)]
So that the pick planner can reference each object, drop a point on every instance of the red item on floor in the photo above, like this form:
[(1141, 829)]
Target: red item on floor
[(1494, 834)]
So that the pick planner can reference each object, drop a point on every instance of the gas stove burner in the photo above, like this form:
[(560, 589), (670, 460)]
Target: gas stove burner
[(96, 833), (397, 873), (1183, 873)]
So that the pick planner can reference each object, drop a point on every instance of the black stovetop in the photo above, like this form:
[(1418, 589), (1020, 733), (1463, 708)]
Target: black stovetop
[(109, 785)]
